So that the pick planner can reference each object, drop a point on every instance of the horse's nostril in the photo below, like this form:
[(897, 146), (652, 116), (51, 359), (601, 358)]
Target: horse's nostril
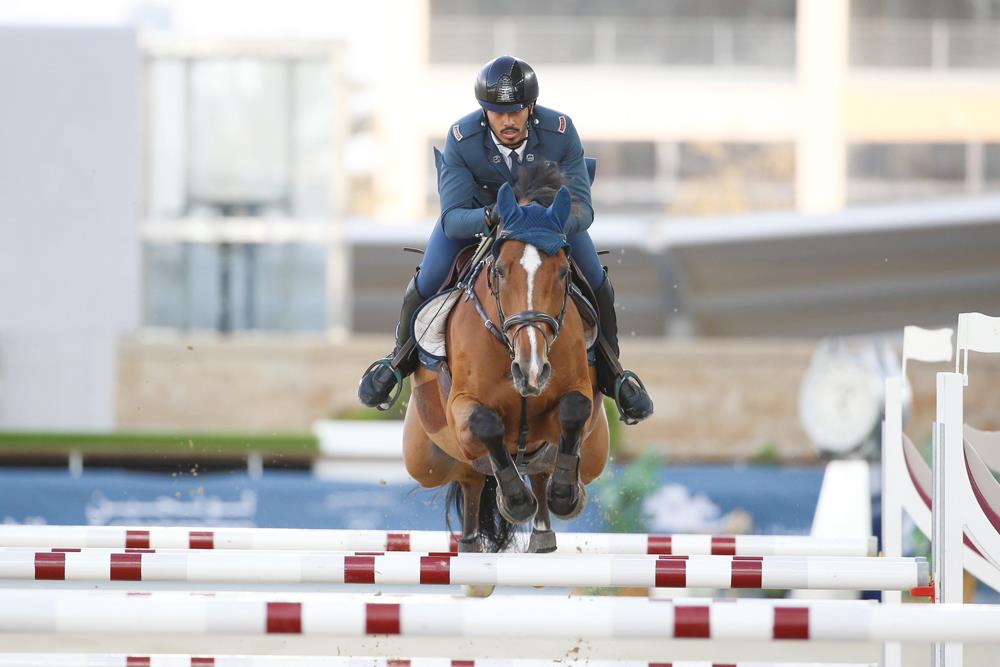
[(516, 372), (546, 372)]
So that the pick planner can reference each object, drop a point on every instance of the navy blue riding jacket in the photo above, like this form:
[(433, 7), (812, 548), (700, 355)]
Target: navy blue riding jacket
[(471, 171)]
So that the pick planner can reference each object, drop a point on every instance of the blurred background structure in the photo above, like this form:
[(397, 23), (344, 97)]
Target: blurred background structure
[(202, 204)]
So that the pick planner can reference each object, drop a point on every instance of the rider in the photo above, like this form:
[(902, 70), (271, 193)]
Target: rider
[(476, 162)]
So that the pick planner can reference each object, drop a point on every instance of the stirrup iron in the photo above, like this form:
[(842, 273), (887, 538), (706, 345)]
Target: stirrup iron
[(629, 421), (385, 361)]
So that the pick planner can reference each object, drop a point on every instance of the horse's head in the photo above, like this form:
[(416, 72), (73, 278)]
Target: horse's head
[(529, 279)]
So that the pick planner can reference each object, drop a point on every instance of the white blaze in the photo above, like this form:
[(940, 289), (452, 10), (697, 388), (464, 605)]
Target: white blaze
[(531, 260)]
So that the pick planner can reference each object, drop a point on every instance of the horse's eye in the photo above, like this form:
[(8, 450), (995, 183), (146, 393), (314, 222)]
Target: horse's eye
[(500, 272), (564, 273)]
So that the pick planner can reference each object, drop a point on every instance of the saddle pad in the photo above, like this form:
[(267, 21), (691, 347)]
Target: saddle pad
[(430, 323)]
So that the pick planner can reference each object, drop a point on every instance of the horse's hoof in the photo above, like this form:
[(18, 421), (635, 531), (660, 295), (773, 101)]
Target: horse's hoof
[(522, 510), (478, 591), (542, 542), (473, 546), (564, 503)]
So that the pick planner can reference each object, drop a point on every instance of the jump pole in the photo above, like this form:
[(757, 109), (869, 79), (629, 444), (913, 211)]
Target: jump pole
[(173, 537), (323, 615), (177, 660), (473, 569)]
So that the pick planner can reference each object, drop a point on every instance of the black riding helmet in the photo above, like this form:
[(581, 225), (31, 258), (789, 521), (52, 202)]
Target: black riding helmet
[(506, 84)]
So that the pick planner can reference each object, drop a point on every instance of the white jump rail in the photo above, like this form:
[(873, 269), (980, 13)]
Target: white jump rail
[(120, 613), (111, 660), (173, 537), (474, 569)]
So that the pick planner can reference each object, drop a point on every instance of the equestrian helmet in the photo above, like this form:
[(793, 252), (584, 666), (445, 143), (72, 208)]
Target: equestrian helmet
[(506, 84)]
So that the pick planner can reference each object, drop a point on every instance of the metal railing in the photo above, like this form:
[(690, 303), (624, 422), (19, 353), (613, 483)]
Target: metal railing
[(935, 44), (573, 40)]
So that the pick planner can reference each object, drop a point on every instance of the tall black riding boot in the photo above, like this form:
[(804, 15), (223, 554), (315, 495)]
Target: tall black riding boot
[(625, 387), (385, 375)]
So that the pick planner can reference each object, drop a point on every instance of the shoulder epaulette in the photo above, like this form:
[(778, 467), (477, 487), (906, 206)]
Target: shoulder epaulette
[(468, 126), (551, 120)]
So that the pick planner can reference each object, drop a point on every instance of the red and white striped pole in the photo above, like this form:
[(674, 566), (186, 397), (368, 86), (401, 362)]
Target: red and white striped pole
[(161, 660), (168, 537), (474, 569), (119, 613)]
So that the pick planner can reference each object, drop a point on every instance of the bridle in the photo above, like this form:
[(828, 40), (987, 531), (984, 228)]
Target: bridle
[(511, 326)]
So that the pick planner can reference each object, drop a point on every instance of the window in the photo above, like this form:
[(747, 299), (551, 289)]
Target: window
[(883, 172), (234, 140)]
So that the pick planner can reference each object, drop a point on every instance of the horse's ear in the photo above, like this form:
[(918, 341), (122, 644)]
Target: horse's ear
[(561, 206), (507, 202)]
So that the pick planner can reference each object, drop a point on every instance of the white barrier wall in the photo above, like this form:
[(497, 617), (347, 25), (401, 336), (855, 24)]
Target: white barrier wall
[(69, 207)]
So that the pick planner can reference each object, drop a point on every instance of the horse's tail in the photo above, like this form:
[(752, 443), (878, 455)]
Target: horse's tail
[(496, 532)]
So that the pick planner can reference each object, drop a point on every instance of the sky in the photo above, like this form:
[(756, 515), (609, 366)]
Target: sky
[(261, 19)]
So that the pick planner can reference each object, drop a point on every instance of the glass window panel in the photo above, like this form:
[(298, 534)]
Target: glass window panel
[(314, 100), (240, 131), (887, 172), (461, 40), (166, 137), (234, 287), (623, 159), (636, 8), (974, 45), (991, 164), (889, 162)]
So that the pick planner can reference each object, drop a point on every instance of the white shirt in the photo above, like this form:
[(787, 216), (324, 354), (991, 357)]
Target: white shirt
[(507, 151)]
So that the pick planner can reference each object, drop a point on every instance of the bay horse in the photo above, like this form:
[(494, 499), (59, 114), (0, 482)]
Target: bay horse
[(517, 354)]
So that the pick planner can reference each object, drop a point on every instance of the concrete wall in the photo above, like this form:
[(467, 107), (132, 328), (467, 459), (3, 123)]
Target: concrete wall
[(69, 203), (717, 400)]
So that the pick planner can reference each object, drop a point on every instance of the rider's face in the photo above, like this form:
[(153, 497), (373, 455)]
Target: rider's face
[(510, 128)]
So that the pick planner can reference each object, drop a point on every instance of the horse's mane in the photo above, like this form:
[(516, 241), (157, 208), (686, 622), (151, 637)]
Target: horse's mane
[(539, 183)]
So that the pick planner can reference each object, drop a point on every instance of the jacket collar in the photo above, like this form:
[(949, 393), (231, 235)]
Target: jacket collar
[(496, 158)]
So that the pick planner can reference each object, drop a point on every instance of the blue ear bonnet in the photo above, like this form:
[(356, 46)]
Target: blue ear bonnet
[(544, 228)]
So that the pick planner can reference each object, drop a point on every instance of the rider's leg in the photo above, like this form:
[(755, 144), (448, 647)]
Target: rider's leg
[(634, 403), (380, 380)]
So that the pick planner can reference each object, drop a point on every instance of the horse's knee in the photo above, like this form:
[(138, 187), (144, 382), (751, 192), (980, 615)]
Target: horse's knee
[(574, 411), (485, 425)]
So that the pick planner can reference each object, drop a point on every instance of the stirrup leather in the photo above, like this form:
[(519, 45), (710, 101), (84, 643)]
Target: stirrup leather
[(629, 421), (387, 362)]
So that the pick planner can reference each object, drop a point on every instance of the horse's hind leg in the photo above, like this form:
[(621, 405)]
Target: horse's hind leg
[(472, 492), (516, 502), (566, 496), (543, 538)]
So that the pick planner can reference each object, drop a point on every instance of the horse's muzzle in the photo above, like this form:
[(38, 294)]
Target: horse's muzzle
[(526, 385)]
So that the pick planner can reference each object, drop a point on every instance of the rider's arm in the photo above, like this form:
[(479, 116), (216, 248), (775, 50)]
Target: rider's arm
[(578, 182), (462, 216)]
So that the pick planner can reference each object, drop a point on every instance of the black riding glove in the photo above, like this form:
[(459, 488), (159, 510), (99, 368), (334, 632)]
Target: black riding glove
[(492, 215)]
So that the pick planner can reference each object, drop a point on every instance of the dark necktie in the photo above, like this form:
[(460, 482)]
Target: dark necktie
[(515, 164)]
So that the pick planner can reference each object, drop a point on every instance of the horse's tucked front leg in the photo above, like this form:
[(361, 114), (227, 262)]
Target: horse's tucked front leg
[(566, 496), (516, 502)]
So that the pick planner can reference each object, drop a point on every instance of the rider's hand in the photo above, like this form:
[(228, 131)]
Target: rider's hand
[(492, 214)]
